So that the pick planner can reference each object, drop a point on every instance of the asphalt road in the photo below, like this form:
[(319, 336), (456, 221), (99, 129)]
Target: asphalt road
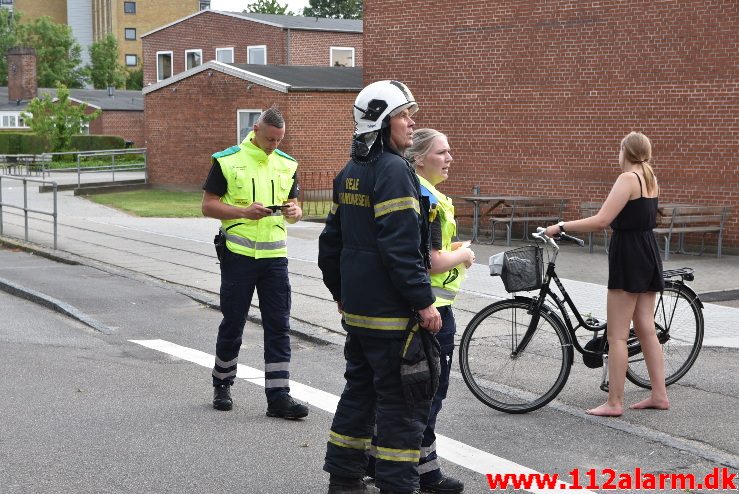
[(125, 408)]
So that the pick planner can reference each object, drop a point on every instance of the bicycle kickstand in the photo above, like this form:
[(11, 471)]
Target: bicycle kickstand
[(604, 381)]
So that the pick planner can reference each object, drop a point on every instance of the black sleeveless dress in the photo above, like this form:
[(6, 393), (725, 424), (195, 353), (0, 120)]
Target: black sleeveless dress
[(634, 262)]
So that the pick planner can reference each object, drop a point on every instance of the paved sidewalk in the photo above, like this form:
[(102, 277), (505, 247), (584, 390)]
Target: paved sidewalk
[(180, 252)]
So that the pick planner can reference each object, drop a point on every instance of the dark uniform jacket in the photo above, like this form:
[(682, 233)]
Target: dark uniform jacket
[(370, 252)]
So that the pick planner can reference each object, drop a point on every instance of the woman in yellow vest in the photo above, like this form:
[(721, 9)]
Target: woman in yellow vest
[(431, 158)]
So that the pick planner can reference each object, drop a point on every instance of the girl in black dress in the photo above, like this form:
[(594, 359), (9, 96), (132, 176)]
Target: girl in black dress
[(634, 272)]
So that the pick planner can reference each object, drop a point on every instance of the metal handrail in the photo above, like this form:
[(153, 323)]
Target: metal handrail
[(25, 207)]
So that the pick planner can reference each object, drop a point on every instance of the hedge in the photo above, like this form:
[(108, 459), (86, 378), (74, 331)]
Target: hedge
[(28, 143)]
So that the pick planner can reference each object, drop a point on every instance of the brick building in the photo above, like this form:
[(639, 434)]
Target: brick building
[(126, 20), (193, 114), (535, 96), (237, 38), (122, 111)]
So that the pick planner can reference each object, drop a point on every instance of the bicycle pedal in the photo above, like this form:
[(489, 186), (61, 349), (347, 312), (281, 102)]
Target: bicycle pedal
[(604, 387)]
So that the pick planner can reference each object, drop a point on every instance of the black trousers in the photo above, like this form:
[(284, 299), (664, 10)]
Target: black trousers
[(240, 276), (373, 394)]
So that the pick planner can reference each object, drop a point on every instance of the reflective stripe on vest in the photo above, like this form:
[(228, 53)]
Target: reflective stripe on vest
[(445, 286), (254, 176)]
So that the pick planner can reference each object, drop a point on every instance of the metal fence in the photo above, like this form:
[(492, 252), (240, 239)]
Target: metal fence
[(80, 162), (25, 207), (315, 192)]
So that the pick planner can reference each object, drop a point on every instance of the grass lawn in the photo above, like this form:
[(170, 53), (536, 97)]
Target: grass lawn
[(153, 203), (157, 203)]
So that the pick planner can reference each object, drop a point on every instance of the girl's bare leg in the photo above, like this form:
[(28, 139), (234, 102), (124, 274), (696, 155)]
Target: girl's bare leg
[(652, 350), (620, 310)]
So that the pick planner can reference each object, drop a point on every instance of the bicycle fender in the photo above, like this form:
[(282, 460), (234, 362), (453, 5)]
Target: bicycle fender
[(689, 291)]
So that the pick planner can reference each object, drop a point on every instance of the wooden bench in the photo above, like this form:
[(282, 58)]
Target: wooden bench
[(541, 211), (588, 209), (682, 220)]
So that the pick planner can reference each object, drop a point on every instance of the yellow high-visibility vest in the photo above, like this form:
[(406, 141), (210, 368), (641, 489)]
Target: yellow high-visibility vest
[(445, 285), (254, 176)]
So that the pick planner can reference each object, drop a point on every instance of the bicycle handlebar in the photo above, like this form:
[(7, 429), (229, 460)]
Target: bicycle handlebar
[(551, 241)]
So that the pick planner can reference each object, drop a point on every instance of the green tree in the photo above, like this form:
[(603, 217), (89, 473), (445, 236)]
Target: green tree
[(268, 7), (58, 55), (56, 120), (8, 39), (104, 69), (334, 9), (135, 79)]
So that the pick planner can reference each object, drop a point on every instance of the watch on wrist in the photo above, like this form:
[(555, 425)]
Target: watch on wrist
[(561, 226)]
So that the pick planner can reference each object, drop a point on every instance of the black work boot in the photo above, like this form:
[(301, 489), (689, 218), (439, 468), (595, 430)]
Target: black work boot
[(284, 406), (222, 397), (346, 485), (445, 485)]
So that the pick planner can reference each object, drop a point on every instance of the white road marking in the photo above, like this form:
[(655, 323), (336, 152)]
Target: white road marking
[(462, 454)]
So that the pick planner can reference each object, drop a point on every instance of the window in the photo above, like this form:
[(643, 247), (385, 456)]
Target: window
[(246, 121), (204, 4), (256, 54), (342, 57), (132, 60), (164, 65), (225, 55), (193, 58), (130, 33), (12, 121), (129, 7)]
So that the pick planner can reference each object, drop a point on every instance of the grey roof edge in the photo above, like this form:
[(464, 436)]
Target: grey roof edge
[(224, 68), (246, 17)]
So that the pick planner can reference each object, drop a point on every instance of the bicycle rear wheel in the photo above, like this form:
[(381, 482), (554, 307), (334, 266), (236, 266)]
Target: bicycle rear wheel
[(514, 383), (678, 318)]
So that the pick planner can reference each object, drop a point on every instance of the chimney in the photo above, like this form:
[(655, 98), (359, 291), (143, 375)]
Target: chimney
[(22, 84)]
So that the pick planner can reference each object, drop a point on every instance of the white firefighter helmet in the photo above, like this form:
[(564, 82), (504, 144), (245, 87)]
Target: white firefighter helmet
[(379, 100)]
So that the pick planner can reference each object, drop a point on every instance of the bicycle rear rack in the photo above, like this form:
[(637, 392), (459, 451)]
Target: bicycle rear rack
[(684, 273)]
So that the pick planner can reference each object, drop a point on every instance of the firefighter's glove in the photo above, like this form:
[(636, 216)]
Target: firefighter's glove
[(419, 365)]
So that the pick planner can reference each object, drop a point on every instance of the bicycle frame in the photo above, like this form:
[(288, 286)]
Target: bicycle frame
[(633, 345), (564, 317)]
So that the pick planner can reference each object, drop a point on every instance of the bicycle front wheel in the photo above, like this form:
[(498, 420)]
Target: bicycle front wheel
[(678, 319), (501, 377)]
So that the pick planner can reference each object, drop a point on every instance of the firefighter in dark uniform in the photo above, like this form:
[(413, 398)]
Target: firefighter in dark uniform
[(252, 188), (374, 262)]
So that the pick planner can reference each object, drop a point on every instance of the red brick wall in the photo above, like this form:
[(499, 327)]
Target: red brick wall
[(535, 96), (313, 47), (21, 67), (207, 32), (127, 124), (185, 126)]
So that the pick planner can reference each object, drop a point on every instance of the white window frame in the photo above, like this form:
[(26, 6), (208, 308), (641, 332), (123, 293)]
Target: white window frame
[(194, 50), (135, 57), (238, 122), (171, 61), (251, 47), (331, 54), (226, 48), (18, 121)]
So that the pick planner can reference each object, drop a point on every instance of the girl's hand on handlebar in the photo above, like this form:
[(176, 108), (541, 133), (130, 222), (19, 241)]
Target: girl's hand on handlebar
[(552, 231)]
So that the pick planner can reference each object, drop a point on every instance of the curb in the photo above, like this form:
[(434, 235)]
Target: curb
[(53, 304), (301, 328)]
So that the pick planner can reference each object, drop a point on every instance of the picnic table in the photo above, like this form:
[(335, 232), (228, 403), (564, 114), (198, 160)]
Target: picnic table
[(505, 209)]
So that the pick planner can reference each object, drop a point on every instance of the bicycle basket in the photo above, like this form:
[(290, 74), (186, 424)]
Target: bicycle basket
[(522, 269)]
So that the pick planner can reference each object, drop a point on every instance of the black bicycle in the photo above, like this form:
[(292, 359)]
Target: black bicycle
[(516, 354)]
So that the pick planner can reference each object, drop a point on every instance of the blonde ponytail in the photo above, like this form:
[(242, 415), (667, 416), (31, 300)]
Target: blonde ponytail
[(649, 180), (637, 149)]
